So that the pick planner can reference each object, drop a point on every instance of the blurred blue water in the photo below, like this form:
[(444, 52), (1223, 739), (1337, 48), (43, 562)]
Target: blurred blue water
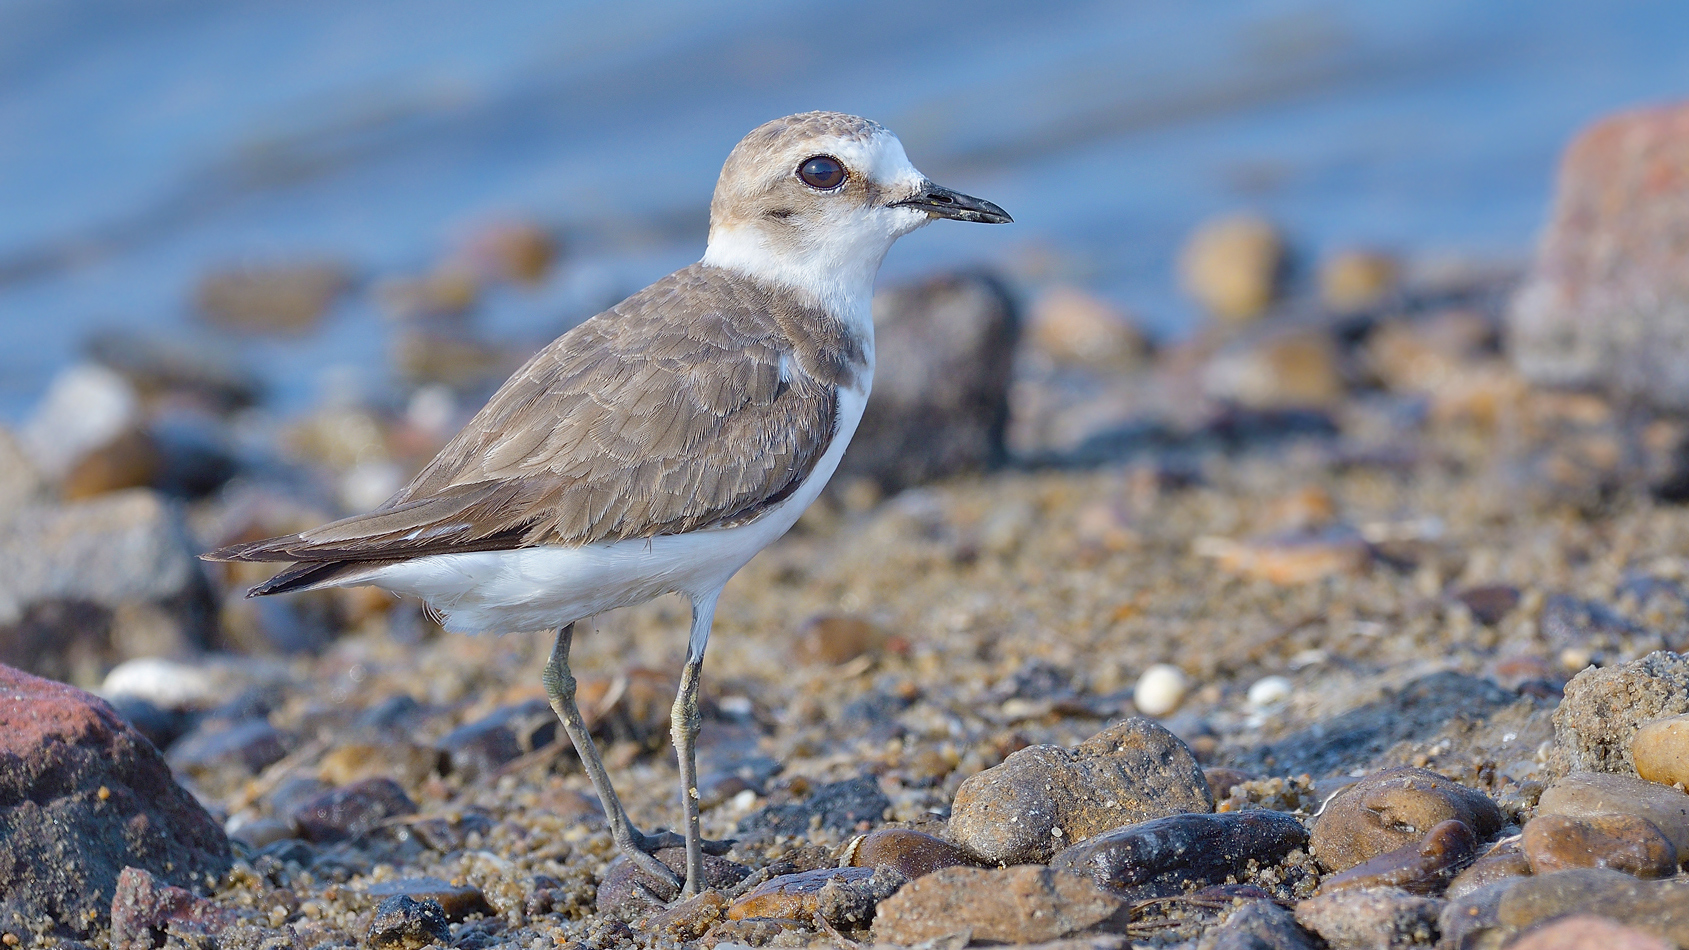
[(142, 142)]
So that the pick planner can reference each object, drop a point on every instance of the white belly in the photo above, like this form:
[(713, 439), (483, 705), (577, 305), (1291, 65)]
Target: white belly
[(541, 588)]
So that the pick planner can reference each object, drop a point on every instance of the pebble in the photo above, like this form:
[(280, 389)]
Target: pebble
[(910, 853), (513, 250), (1295, 369), (131, 459), (405, 923), (1292, 559), (1621, 842), (84, 796), (1045, 798), (457, 901), (1489, 603), (1164, 855), (836, 638), (1222, 780), (1231, 266), (1071, 326), (1587, 794), (167, 684), (1656, 907), (844, 897), (352, 811), (626, 890), (687, 920), (162, 727), (1661, 751), (142, 907), (477, 749), (1160, 689), (1027, 904), (1259, 925), (1379, 919), (1603, 708), (85, 407), (406, 762), (1587, 932), (844, 808), (1422, 868), (1395, 808), (214, 755), (1504, 861), (282, 299), (1269, 691), (1355, 279)]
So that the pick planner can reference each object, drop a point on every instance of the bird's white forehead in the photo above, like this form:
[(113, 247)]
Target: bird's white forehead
[(879, 158)]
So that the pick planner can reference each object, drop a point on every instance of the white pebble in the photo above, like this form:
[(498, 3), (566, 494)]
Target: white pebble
[(164, 683), (1160, 689), (1269, 691)]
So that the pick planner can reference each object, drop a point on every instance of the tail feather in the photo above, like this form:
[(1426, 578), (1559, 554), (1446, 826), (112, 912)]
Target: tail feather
[(310, 575)]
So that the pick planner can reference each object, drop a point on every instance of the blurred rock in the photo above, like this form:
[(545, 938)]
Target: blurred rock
[(447, 292), (1597, 721), (942, 353), (349, 812), (404, 923), (130, 460), (1489, 603), (220, 755), (1371, 920), (1592, 794), (801, 896), (1025, 904), (20, 484), (158, 366), (1290, 559), (1071, 326), (1430, 355), (82, 797), (279, 299), (1392, 809), (1587, 932), (143, 912), (453, 359), (911, 854), (843, 808), (1504, 861), (1258, 925), (1166, 855), (1621, 842), (836, 638), (512, 250), (85, 407), (456, 901), (477, 749), (1660, 908), (1661, 751), (1424, 867), (85, 585), (1232, 266), (1607, 302), (1045, 798), (1355, 279), (1295, 369)]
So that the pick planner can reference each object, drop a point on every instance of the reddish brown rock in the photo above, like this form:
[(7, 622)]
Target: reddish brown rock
[(1421, 868), (1503, 861), (1588, 794), (836, 638), (910, 853), (1393, 809), (1621, 842), (1023, 904), (1587, 932), (144, 912), (83, 796)]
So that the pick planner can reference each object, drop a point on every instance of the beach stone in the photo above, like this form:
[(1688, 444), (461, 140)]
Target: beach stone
[(910, 853), (1503, 862), (1489, 603), (20, 484), (836, 638), (1655, 907), (83, 796), (158, 365), (456, 901), (943, 350), (1222, 780), (478, 748), (1588, 794), (1164, 855), (623, 892), (1232, 266), (844, 897), (1394, 808), (1160, 689), (279, 299), (1470, 920), (843, 808), (144, 912), (1258, 925), (1621, 842), (1071, 326), (1290, 558), (511, 250), (1023, 904), (1587, 932), (405, 923), (344, 813), (1660, 751), (1286, 369), (1381, 919), (1045, 798), (85, 406), (687, 920), (221, 754), (1606, 304), (1355, 279), (130, 460), (1422, 868)]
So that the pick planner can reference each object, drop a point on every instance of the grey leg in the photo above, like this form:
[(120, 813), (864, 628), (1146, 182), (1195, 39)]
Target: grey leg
[(684, 723), (560, 687)]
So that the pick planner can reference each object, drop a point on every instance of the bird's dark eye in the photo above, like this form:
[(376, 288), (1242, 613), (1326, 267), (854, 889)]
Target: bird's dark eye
[(823, 172)]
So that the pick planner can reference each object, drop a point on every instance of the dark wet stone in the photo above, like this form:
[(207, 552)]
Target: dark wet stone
[(840, 807), (1393, 809), (1489, 603), (162, 727), (1501, 863), (1621, 842), (294, 791), (1381, 919), (1259, 925), (144, 912), (910, 853), (244, 748), (1469, 920), (1045, 798), (404, 923), (390, 713), (625, 889), (345, 813), (1597, 721), (1361, 736), (83, 796), (845, 897), (1023, 904), (1163, 856), (480, 747), (1422, 868), (456, 901), (1657, 907), (446, 834)]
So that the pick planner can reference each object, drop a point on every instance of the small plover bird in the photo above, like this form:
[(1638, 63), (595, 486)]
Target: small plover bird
[(658, 446)]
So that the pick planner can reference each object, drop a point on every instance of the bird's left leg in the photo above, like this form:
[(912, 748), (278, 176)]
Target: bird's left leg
[(684, 723)]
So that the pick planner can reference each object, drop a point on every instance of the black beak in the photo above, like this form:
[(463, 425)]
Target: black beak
[(941, 202)]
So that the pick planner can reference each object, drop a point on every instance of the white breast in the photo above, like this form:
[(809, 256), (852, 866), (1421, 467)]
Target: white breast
[(541, 588)]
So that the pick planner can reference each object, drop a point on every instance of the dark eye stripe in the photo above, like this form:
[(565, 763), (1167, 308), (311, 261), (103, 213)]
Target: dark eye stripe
[(823, 171)]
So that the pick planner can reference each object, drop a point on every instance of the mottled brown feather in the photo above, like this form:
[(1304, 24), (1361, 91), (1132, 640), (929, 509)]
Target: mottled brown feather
[(667, 413)]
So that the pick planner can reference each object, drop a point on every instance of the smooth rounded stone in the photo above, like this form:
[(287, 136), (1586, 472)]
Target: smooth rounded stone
[(1423, 868), (836, 638), (626, 890), (1162, 856), (345, 813), (1392, 809), (162, 727), (1258, 925), (1621, 842), (405, 923), (261, 832), (84, 796), (1160, 689), (142, 908), (1222, 780), (1269, 691), (1656, 907), (1661, 751), (910, 853), (456, 901), (85, 406), (166, 683), (1068, 325), (478, 748), (1470, 921), (1378, 919), (1232, 266), (1044, 798), (1282, 369), (844, 897), (281, 299), (1586, 794), (1354, 279), (1022, 904), (1489, 603), (1587, 932), (1603, 708), (132, 459), (219, 756), (1503, 862), (943, 352)]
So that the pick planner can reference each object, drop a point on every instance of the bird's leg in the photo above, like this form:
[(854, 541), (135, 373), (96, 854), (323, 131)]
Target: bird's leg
[(560, 687), (684, 723)]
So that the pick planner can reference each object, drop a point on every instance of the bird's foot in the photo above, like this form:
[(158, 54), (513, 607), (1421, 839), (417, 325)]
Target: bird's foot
[(641, 849)]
